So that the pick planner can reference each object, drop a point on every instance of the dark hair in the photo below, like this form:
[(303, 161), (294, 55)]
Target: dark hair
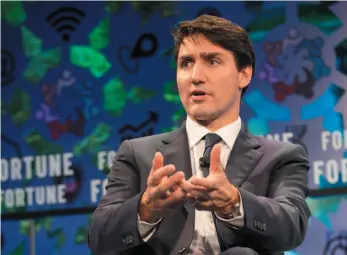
[(221, 32)]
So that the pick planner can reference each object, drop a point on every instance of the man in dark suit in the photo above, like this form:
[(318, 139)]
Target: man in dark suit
[(209, 187)]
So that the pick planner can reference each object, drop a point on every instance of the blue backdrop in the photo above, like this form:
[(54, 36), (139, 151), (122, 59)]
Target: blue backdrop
[(77, 78)]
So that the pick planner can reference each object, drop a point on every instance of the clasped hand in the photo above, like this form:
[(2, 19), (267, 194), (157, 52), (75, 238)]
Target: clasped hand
[(167, 190)]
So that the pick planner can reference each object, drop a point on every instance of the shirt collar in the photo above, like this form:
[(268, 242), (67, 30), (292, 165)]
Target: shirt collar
[(228, 133)]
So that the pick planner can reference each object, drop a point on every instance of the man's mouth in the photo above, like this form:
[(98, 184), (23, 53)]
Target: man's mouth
[(198, 93)]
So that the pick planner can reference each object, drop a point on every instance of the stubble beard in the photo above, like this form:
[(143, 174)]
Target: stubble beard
[(205, 117)]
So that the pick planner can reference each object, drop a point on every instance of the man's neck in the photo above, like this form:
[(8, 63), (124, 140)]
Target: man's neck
[(217, 124)]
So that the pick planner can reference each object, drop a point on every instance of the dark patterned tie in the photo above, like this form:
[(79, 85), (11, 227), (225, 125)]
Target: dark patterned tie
[(211, 140)]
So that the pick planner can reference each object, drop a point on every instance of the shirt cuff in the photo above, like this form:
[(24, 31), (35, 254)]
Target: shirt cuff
[(236, 218), (146, 229)]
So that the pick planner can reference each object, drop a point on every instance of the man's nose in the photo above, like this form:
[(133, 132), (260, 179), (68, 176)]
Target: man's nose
[(198, 74)]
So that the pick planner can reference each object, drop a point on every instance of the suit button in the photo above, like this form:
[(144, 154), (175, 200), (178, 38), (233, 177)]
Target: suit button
[(128, 240), (182, 250)]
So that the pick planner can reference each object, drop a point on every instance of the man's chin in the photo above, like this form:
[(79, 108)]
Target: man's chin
[(202, 116)]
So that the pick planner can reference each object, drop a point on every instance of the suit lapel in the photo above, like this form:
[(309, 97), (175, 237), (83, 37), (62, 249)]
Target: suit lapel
[(175, 150), (244, 156)]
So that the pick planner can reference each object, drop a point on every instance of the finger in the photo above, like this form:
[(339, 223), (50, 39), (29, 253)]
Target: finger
[(176, 198), (187, 187), (203, 182), (196, 195), (158, 161), (194, 190), (160, 174), (170, 190), (174, 187), (216, 164), (164, 186)]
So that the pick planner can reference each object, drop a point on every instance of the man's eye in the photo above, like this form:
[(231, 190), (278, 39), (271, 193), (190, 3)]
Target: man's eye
[(213, 61), (186, 63)]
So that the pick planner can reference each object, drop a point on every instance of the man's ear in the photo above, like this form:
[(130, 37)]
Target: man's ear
[(245, 76)]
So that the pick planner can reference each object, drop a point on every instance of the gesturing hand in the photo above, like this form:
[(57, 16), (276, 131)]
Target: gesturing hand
[(157, 200), (220, 195)]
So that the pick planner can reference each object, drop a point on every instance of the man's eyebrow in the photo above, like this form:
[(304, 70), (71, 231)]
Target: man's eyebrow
[(210, 54), (203, 55), (188, 56)]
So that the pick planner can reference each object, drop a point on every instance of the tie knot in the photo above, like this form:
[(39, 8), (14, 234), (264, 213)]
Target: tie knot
[(212, 139)]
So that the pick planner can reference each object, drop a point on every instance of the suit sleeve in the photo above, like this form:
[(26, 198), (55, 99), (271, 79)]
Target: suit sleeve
[(113, 227), (147, 230), (279, 221)]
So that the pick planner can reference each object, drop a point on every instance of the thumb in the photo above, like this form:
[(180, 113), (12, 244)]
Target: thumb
[(158, 161), (215, 163)]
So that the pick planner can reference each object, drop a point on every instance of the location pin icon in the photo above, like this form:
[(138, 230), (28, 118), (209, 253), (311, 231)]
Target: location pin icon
[(140, 51)]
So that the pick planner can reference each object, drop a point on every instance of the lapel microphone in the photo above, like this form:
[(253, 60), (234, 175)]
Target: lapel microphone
[(203, 162)]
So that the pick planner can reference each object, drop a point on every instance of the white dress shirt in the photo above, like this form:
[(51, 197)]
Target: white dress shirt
[(205, 240)]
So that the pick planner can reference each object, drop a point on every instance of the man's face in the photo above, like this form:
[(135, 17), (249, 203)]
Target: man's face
[(208, 80)]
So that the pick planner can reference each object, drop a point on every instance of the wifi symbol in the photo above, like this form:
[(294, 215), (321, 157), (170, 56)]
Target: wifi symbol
[(65, 20)]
